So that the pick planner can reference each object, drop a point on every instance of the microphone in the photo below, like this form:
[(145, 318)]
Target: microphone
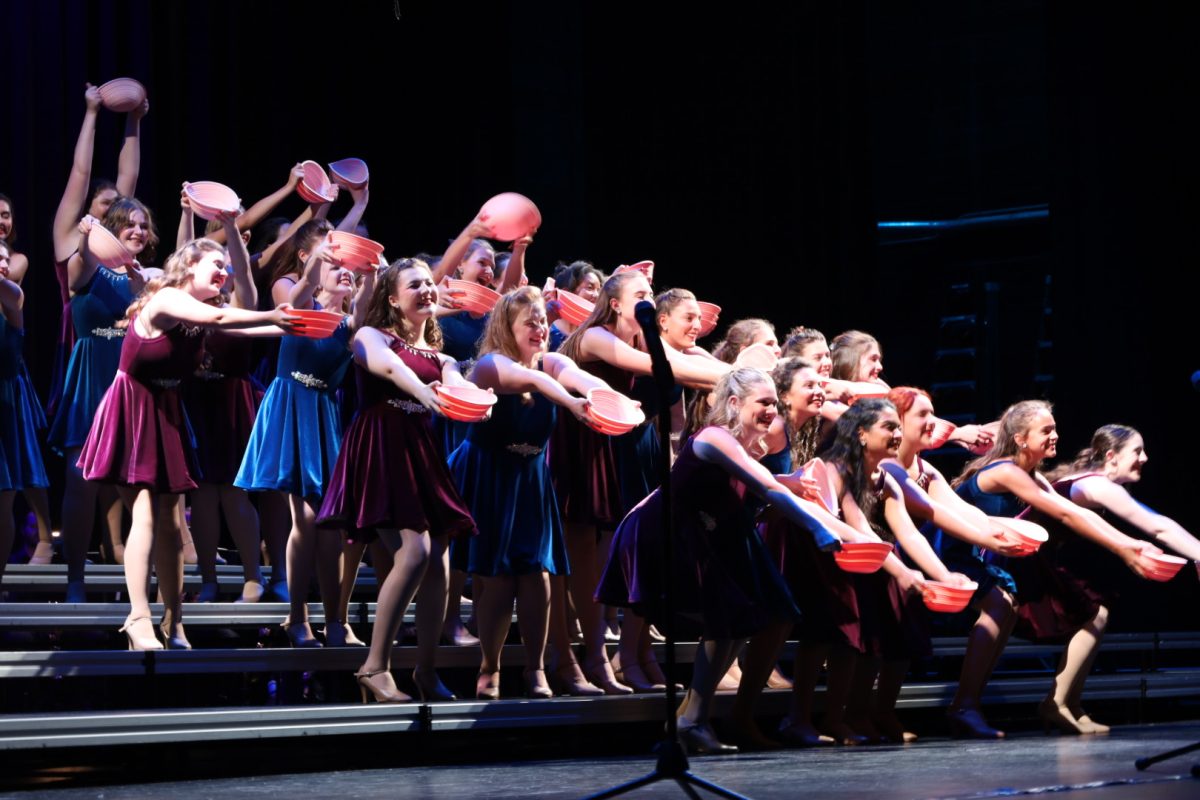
[(664, 377)]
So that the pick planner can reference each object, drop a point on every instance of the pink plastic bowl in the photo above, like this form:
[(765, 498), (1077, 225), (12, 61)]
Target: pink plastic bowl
[(350, 172), (573, 308), (122, 95), (510, 216), (862, 557), (209, 198)]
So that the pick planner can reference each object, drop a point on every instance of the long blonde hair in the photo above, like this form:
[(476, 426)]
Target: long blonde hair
[(1015, 420), (737, 383), (846, 350), (176, 273)]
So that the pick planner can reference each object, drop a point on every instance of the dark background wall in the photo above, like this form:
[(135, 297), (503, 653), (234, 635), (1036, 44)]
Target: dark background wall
[(750, 153)]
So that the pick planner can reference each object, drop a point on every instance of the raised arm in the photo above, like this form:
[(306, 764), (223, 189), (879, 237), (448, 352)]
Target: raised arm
[(457, 250), (362, 297), (1100, 492), (82, 265), (302, 291), (355, 215), (515, 268), (187, 219), (263, 208), (717, 446), (129, 163), (71, 205), (304, 217), (245, 295)]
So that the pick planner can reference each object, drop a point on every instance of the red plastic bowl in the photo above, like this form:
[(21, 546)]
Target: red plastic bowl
[(573, 308), (710, 313), (947, 599), (314, 186), (942, 431), (122, 95), (613, 413), (862, 557), (474, 296), (209, 198), (350, 172), (1166, 567), (510, 216)]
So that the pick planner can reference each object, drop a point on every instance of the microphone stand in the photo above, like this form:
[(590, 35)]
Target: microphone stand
[(672, 759)]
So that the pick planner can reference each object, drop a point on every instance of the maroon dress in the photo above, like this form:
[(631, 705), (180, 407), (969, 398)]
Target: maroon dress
[(391, 472), (140, 435), (1061, 587), (222, 400), (724, 577)]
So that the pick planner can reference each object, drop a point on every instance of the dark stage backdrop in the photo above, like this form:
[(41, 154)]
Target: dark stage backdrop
[(750, 153)]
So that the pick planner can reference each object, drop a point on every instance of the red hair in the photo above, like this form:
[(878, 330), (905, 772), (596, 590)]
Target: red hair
[(903, 397)]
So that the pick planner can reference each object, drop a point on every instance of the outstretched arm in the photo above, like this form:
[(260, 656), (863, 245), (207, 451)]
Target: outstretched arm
[(504, 376), (371, 350), (260, 210), (1103, 493), (170, 307)]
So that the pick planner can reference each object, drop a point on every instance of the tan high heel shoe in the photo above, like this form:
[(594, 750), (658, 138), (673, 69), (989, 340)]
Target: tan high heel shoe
[(1056, 717), (143, 638), (602, 676), (568, 679), (487, 686), (536, 687), (383, 690)]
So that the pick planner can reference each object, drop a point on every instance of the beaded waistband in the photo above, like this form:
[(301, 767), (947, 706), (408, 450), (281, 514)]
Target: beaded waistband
[(407, 406), (109, 333), (523, 449), (164, 383), (209, 375), (311, 381)]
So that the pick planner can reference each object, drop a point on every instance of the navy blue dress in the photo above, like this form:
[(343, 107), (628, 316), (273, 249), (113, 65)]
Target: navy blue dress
[(503, 475), (978, 564), (21, 464)]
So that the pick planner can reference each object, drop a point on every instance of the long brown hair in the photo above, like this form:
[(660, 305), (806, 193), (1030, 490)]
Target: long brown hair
[(383, 316), (802, 441), (176, 272), (602, 315), (799, 338), (738, 337), (1092, 458), (497, 334), (119, 217), (1015, 420), (846, 350), (286, 259)]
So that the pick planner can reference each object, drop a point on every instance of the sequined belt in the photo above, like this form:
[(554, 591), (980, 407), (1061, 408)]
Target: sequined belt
[(311, 381), (109, 333), (407, 406), (209, 375), (164, 383), (523, 449)]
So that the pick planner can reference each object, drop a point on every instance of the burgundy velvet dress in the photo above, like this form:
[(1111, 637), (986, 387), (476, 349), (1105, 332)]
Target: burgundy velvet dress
[(391, 471), (140, 435), (1061, 587), (221, 398), (724, 578)]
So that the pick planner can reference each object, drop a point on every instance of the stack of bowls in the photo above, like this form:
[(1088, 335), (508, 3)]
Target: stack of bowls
[(942, 431), (862, 557), (465, 403), (315, 187), (573, 308), (947, 599), (209, 198), (709, 314), (474, 296), (315, 324), (353, 251), (613, 413)]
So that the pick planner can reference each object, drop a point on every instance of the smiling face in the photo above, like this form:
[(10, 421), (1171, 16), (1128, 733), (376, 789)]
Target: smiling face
[(1040, 439), (136, 233), (756, 410), (917, 426), (870, 364), (804, 398), (6, 220), (479, 266), (4, 268), (882, 439), (207, 276), (1125, 465), (817, 352), (415, 295), (531, 332), (634, 291), (335, 279), (589, 287), (681, 327)]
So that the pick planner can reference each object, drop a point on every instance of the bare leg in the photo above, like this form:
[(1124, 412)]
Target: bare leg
[(411, 559), (168, 567), (352, 555), (493, 612), (891, 679), (713, 658), (39, 503), (275, 513), (985, 643), (301, 553), (430, 616), (242, 520), (453, 630), (533, 611), (1073, 669), (761, 655), (566, 667), (114, 520), (581, 550)]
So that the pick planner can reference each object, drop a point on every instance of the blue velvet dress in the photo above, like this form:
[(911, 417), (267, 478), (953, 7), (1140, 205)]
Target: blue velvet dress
[(20, 457), (502, 473), (298, 431), (461, 334), (95, 311), (976, 563)]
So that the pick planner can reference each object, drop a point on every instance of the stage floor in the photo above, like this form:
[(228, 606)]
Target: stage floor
[(1095, 768)]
